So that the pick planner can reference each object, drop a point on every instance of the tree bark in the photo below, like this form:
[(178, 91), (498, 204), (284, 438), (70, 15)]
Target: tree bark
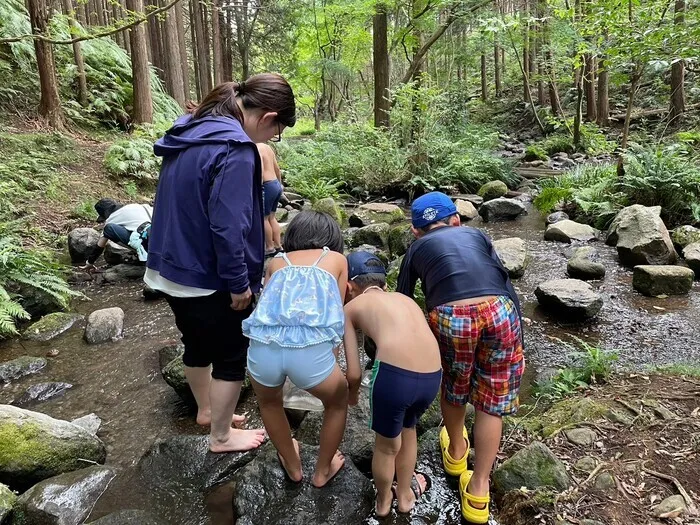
[(589, 87), (603, 110), (484, 80), (216, 43), (228, 48), (636, 77), (382, 102), (526, 54), (141, 75), (173, 58), (100, 12), (78, 56), (678, 71), (195, 59), (578, 118), (49, 102), (202, 46), (497, 68), (154, 34), (184, 64)]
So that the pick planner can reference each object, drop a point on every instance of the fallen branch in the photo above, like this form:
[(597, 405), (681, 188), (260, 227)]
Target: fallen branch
[(618, 117), (629, 407), (568, 492), (688, 500)]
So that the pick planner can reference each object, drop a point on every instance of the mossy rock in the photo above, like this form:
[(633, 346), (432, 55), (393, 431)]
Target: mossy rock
[(7, 501), (374, 235), (50, 326), (535, 152), (329, 206), (493, 190), (376, 212), (685, 235), (566, 413), (20, 367), (533, 467), (400, 238)]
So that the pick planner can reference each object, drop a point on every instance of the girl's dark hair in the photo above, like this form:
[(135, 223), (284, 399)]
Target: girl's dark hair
[(311, 230), (266, 91)]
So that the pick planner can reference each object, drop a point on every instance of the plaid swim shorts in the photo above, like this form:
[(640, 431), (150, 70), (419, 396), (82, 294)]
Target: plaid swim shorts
[(482, 354)]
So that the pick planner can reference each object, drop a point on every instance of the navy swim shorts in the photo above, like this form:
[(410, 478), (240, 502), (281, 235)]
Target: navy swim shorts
[(272, 193)]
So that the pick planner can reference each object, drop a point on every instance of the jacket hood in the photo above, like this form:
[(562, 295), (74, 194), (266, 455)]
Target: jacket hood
[(188, 132)]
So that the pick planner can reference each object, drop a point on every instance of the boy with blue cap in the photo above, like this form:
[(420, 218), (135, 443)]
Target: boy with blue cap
[(475, 315), (405, 377)]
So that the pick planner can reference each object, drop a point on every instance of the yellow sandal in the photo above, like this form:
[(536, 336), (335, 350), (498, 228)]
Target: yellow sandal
[(453, 467), (469, 512)]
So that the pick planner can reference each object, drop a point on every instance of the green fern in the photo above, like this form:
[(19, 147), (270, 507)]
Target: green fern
[(133, 158)]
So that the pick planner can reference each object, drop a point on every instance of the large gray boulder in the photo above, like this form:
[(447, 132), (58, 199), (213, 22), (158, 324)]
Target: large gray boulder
[(466, 210), (533, 467), (513, 254), (124, 272), (262, 495), (685, 235), (569, 298), (641, 236), (376, 212), (81, 242), (66, 499), (41, 392), (400, 238), (569, 231), (36, 446), (375, 234), (501, 210), (7, 501), (493, 190), (117, 254), (50, 326), (691, 254), (20, 367), (653, 280), (104, 325)]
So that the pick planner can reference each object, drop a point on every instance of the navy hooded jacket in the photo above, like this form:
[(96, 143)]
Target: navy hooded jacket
[(207, 229)]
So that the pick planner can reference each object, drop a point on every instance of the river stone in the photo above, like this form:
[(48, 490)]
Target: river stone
[(691, 254), (605, 481), (90, 422), (583, 437), (669, 505), (476, 200), (466, 210), (170, 352), (532, 467), (376, 212), (586, 464), (34, 446), (374, 234), (264, 496), (685, 235), (66, 499), (104, 325), (653, 280), (292, 197), (174, 375), (569, 231), (585, 269), (20, 367), (381, 255), (124, 272), (7, 501), (358, 439), (641, 236), (50, 326), (117, 254), (328, 206), (128, 517), (41, 392), (493, 190), (569, 298), (555, 217), (501, 210), (400, 238), (81, 243), (513, 254), (281, 214)]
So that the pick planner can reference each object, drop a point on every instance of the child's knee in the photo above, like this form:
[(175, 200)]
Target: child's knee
[(387, 446)]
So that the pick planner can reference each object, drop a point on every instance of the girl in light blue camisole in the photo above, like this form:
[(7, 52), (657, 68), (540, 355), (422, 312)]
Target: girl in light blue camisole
[(293, 332)]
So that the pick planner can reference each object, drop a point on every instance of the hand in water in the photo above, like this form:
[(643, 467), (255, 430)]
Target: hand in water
[(240, 301)]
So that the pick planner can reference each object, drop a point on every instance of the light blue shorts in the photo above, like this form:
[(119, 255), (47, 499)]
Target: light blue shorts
[(269, 364)]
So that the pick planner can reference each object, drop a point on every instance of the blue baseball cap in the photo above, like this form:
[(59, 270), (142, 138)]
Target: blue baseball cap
[(431, 207), (358, 264)]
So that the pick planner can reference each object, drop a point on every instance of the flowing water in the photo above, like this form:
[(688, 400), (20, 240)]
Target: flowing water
[(121, 381)]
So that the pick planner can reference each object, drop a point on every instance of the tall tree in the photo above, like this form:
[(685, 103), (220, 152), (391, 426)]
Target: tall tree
[(678, 70), (78, 56), (141, 74), (155, 39), (180, 19), (603, 110), (216, 43), (382, 103), (202, 47), (484, 78), (173, 64)]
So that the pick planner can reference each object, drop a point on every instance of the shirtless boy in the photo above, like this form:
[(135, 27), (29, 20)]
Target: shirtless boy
[(405, 377), (272, 193)]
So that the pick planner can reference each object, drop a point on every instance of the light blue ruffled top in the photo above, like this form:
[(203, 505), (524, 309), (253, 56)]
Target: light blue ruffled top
[(300, 306)]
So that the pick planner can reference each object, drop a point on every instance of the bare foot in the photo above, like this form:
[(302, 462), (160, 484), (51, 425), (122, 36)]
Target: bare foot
[(382, 507), (204, 419), (295, 474), (321, 478), (407, 501), (238, 441)]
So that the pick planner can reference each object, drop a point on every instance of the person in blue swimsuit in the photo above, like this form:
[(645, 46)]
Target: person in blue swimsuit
[(294, 332), (272, 193)]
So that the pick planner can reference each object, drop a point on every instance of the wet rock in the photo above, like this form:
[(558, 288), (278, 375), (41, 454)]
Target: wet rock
[(555, 217), (124, 272), (7, 501), (264, 496), (50, 326), (117, 254), (66, 499), (328, 206), (41, 392), (685, 235), (374, 234), (586, 464), (583, 437), (532, 467), (400, 238), (174, 375), (501, 210), (493, 190), (513, 255), (569, 231), (281, 214), (293, 197), (376, 212), (585, 269), (128, 517), (90, 422), (358, 439), (34, 446), (653, 280), (104, 325), (670, 505), (476, 200), (466, 210), (569, 298), (170, 352), (605, 481), (584, 252), (20, 367), (374, 251), (81, 242), (641, 236), (691, 254)]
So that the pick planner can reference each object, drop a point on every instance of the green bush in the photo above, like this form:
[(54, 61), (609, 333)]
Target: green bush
[(132, 158), (535, 152)]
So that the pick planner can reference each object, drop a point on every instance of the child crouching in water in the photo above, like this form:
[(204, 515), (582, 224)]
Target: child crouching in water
[(293, 332), (405, 378)]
